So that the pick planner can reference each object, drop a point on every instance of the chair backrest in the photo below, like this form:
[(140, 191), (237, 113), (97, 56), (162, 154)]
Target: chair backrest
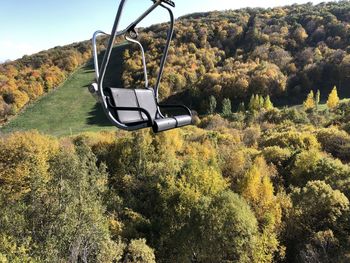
[(138, 98)]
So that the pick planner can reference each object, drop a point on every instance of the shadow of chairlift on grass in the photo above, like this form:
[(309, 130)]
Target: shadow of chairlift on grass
[(114, 76), (98, 117)]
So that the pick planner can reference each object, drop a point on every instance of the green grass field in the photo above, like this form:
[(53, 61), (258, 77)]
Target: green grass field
[(70, 109)]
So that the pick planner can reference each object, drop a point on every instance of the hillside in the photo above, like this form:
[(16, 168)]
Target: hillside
[(70, 109), (283, 52), (25, 80)]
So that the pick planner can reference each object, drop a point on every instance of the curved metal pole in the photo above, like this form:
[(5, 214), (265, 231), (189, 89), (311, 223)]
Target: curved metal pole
[(143, 58), (94, 51), (107, 55), (166, 50), (104, 64)]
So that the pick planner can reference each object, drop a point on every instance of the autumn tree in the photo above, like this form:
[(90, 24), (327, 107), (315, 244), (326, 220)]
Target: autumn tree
[(138, 251), (317, 207), (309, 103), (267, 103), (256, 187), (78, 227), (322, 245), (333, 99), (300, 34), (56, 197), (22, 156)]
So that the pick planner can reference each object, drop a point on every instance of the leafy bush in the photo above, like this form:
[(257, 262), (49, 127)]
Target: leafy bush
[(335, 141), (290, 138)]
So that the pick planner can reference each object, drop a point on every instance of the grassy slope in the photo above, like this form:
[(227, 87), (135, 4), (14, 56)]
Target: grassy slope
[(70, 109)]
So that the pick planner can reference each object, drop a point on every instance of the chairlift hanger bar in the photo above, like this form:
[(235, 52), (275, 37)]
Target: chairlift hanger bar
[(143, 58)]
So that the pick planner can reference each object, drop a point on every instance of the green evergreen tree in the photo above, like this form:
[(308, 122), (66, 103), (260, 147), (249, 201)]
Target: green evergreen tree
[(267, 103), (257, 101), (251, 103), (261, 102), (254, 103), (212, 105), (226, 107)]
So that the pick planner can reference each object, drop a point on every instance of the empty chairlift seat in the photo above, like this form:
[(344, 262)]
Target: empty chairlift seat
[(137, 106)]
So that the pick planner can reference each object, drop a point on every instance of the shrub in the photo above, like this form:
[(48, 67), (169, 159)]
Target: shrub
[(251, 136), (276, 154), (292, 139), (335, 141), (214, 122), (138, 251)]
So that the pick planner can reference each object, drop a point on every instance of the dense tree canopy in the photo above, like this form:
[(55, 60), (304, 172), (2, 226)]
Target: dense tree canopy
[(260, 184), (283, 52), (268, 186)]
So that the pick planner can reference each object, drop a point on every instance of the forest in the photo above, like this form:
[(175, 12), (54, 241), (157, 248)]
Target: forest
[(263, 175), (282, 52), (256, 186)]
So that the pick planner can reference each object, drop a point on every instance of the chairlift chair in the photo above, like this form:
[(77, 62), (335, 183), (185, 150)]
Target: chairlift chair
[(134, 109)]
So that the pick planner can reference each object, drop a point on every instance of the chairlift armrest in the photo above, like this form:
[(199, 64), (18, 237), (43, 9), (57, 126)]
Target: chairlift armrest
[(149, 118), (174, 106)]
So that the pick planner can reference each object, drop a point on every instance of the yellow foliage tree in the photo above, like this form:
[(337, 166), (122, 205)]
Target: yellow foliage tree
[(22, 155), (300, 34), (258, 190), (333, 99), (20, 98), (33, 89), (309, 103), (53, 76)]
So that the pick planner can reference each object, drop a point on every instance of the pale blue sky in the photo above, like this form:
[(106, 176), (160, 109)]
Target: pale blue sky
[(27, 27)]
